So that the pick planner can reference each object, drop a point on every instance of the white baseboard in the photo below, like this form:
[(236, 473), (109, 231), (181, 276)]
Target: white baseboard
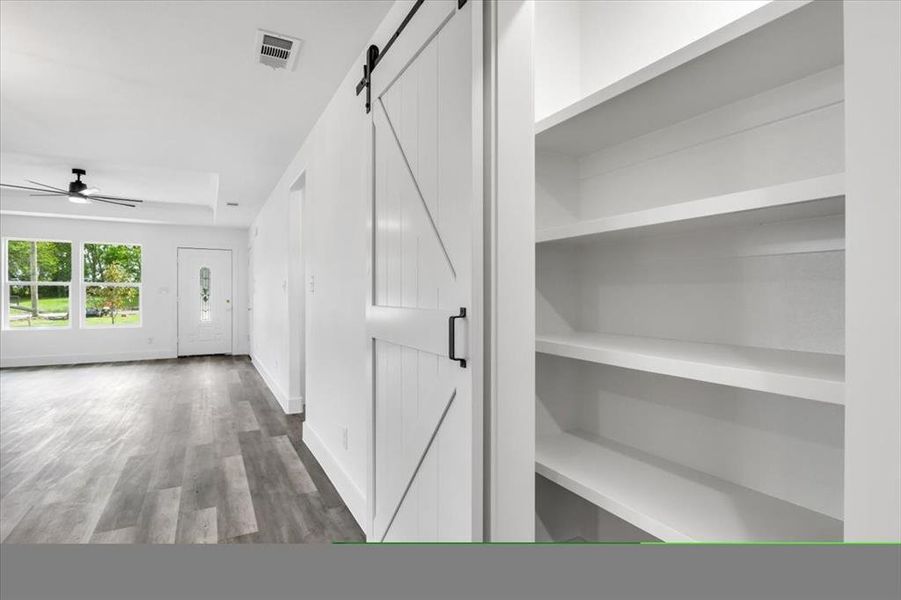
[(295, 404), (78, 359), (288, 404), (353, 497)]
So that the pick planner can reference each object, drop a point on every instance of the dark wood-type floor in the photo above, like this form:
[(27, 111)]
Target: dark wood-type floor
[(174, 451)]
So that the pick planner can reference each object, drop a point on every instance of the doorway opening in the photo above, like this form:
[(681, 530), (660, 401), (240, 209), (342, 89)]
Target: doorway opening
[(299, 287)]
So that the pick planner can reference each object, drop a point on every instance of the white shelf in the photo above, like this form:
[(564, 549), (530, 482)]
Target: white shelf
[(800, 374), (820, 196), (672, 502), (771, 46)]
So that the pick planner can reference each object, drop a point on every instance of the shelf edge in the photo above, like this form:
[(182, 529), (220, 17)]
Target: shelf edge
[(797, 386), (804, 191), (754, 20), (646, 522)]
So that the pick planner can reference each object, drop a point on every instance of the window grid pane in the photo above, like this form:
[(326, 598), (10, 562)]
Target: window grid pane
[(112, 263), (39, 261), (53, 261), (37, 306), (112, 305), (18, 260)]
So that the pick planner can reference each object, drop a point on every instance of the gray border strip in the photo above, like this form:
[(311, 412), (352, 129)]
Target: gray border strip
[(398, 572)]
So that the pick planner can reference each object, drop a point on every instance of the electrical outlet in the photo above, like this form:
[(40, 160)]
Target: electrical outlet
[(344, 437)]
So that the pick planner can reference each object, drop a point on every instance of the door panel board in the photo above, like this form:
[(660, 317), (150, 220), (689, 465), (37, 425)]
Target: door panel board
[(422, 483)]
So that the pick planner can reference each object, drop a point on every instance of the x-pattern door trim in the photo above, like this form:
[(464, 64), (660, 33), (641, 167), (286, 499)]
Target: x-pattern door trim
[(425, 205)]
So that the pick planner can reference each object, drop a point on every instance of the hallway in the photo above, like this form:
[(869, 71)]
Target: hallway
[(192, 450)]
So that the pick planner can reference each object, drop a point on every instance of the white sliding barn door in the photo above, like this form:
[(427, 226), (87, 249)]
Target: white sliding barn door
[(425, 484)]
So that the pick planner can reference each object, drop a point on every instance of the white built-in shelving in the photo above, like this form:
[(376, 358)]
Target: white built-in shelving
[(810, 198), (671, 502), (690, 228), (774, 45), (815, 376)]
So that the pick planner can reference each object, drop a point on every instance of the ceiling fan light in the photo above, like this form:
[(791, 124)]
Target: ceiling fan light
[(78, 200)]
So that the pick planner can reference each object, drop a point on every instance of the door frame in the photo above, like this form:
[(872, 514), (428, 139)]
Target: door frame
[(509, 400), (299, 296), (476, 350), (231, 264)]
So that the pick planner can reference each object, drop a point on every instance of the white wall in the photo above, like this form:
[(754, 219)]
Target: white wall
[(158, 336), (278, 297), (558, 66), (269, 238), (585, 45), (335, 161), (296, 299), (873, 323)]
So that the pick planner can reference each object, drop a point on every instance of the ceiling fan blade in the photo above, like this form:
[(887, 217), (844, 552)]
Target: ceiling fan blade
[(31, 189), (47, 186), (129, 202), (95, 198)]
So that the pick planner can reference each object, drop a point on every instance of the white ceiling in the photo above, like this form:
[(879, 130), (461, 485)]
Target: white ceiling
[(166, 101)]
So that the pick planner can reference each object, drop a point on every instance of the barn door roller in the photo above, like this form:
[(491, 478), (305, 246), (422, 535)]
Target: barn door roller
[(373, 55)]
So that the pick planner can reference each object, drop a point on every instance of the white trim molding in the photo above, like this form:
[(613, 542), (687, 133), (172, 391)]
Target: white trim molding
[(509, 275), (295, 405), (78, 359), (872, 37), (352, 495), (288, 403)]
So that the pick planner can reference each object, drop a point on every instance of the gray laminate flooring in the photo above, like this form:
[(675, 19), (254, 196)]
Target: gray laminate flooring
[(191, 450)]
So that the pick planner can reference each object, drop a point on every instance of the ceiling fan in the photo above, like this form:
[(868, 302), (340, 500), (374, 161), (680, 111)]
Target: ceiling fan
[(78, 192)]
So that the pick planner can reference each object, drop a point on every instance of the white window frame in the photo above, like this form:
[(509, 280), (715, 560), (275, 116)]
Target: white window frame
[(7, 283), (83, 321)]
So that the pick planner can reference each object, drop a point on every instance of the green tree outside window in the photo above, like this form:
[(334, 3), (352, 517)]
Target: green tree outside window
[(112, 277)]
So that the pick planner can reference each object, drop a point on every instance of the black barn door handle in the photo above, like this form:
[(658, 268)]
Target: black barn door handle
[(451, 344)]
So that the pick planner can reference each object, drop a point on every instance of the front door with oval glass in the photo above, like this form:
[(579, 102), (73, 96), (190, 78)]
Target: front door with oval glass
[(204, 301)]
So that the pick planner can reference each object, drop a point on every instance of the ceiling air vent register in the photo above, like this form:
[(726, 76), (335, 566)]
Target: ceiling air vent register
[(276, 50)]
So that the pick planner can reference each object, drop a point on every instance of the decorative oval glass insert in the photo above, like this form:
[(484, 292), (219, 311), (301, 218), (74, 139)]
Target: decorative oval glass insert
[(204, 293)]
